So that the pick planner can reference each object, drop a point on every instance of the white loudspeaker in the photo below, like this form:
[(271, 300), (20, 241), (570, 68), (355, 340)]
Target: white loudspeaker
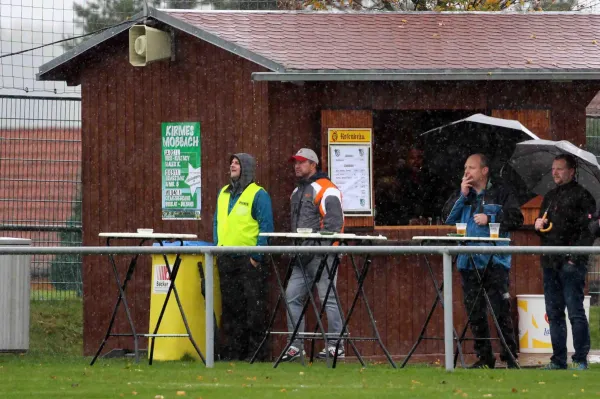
[(148, 44)]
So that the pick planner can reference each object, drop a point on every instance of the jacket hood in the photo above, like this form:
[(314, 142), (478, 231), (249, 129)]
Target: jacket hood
[(247, 173)]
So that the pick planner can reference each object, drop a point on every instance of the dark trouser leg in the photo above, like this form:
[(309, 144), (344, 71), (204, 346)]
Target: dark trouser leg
[(555, 310), (233, 305), (478, 319), (334, 318), (255, 291), (573, 282), (496, 285)]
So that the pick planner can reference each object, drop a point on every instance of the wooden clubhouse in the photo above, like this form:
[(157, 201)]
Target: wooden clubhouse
[(269, 83)]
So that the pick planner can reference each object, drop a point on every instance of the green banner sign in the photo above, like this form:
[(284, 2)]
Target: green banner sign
[(181, 171)]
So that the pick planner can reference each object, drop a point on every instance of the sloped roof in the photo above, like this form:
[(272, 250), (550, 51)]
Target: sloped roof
[(410, 41), (382, 46)]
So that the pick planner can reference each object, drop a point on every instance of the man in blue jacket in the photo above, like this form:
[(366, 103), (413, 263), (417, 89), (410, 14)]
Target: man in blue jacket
[(243, 212), (478, 203)]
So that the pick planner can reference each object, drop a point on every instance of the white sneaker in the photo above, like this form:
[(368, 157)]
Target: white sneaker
[(340, 354), (292, 354)]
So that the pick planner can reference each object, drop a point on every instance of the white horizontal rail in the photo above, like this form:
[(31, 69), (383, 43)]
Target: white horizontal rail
[(371, 250), (210, 252)]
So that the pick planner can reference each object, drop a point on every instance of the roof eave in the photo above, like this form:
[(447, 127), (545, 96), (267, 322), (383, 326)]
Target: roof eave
[(426, 75), (48, 71)]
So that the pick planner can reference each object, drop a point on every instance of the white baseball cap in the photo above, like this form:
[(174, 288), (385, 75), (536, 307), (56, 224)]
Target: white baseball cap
[(305, 154)]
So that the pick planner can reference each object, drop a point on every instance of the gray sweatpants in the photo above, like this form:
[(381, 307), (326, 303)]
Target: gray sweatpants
[(297, 291)]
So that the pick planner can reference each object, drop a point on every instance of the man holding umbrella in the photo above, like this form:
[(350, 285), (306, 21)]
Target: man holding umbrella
[(477, 203), (563, 221)]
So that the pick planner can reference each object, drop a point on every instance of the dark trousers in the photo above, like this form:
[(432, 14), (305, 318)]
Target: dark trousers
[(243, 298), (495, 282), (563, 287)]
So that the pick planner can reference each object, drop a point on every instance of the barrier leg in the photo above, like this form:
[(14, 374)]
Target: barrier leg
[(448, 317)]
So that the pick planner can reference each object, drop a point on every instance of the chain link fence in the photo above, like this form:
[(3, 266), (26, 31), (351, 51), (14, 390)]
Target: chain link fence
[(40, 186), (593, 145)]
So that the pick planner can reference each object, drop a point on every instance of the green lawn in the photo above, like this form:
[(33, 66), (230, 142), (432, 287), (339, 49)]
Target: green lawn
[(45, 377), (56, 327), (55, 369), (595, 326)]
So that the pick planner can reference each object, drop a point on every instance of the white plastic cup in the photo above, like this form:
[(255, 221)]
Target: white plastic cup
[(461, 229), (494, 230)]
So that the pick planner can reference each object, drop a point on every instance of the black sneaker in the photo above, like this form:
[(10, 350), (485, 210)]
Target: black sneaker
[(340, 354), (292, 354), (483, 364)]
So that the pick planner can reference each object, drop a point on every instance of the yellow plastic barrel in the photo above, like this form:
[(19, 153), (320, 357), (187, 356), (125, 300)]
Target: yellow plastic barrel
[(189, 282)]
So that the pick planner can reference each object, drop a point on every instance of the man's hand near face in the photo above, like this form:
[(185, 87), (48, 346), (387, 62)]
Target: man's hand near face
[(465, 186)]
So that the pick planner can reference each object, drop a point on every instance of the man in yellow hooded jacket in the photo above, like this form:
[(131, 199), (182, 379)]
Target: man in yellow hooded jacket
[(243, 211)]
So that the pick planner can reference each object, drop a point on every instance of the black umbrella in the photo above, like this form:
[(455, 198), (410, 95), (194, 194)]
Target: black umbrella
[(532, 160), (447, 148)]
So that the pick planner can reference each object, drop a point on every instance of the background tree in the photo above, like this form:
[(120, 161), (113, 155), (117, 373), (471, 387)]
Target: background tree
[(431, 5), (97, 14)]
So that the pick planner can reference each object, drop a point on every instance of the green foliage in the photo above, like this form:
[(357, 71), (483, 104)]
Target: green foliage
[(430, 5), (245, 4), (65, 270), (93, 15), (554, 5)]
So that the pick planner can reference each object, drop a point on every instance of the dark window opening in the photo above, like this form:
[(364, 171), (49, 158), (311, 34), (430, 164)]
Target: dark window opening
[(406, 193)]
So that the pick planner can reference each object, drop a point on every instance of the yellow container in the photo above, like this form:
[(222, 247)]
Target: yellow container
[(188, 285)]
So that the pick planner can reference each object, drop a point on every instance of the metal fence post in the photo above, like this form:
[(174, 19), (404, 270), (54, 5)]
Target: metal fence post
[(210, 328), (448, 321)]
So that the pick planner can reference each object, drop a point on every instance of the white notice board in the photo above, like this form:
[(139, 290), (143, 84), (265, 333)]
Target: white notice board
[(350, 169)]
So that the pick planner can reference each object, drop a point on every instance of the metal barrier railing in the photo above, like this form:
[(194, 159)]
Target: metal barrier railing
[(209, 252)]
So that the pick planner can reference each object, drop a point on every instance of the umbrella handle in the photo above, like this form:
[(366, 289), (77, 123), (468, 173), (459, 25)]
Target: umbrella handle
[(547, 229)]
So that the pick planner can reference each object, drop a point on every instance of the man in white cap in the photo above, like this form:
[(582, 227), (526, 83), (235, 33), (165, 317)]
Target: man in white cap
[(316, 203)]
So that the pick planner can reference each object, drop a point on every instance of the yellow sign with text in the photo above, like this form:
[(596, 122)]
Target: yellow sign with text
[(342, 136)]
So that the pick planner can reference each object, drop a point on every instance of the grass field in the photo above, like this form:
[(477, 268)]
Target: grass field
[(54, 368), (595, 327), (66, 377), (56, 327)]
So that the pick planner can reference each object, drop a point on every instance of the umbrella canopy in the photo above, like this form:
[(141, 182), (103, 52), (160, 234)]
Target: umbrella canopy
[(532, 160), (447, 147)]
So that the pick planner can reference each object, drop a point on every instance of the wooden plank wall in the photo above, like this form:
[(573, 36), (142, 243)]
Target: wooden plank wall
[(123, 108)]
